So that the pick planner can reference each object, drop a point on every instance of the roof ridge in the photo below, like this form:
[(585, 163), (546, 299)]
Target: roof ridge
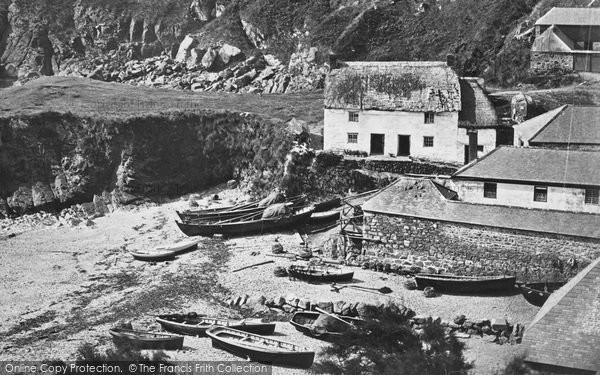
[(548, 122)]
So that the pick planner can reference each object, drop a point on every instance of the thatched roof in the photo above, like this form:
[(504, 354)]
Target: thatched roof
[(477, 109), (410, 86)]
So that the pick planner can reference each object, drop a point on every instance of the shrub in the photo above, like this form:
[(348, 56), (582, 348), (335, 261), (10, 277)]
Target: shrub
[(387, 344)]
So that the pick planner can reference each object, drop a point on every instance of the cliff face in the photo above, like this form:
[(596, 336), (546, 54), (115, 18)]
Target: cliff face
[(50, 159)]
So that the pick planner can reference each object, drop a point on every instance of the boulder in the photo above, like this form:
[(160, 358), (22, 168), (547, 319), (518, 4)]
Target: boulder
[(184, 48), (97, 74), (246, 78), (209, 60), (4, 209), (229, 54), (195, 58), (100, 205), (42, 194), (21, 200)]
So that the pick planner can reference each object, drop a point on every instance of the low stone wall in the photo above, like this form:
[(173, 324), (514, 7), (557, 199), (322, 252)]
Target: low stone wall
[(474, 250), (545, 61)]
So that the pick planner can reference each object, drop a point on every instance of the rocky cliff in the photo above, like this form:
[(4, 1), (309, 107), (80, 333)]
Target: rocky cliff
[(57, 158), (99, 38)]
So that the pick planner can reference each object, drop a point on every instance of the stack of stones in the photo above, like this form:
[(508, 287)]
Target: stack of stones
[(500, 330), (292, 303)]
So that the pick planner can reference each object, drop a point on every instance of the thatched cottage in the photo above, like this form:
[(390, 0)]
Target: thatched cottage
[(567, 38), (416, 109)]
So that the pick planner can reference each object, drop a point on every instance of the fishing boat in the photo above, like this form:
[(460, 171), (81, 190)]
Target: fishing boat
[(145, 340), (324, 217), (304, 321), (232, 211), (328, 204), (241, 226), (197, 325), (322, 274), (260, 348), (166, 253), (465, 284), (538, 293)]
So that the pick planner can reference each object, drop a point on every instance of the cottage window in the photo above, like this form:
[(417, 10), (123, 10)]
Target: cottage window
[(353, 116), (489, 190), (352, 137), (591, 196), (427, 141), (540, 193), (429, 117)]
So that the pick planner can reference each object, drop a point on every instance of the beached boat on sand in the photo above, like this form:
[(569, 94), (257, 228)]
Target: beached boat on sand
[(538, 293), (260, 348), (322, 274), (197, 325), (465, 284), (309, 323), (145, 340), (236, 227), (166, 253)]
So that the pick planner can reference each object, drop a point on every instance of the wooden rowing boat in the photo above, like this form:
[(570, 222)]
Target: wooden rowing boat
[(322, 274), (538, 293), (328, 204), (231, 211), (260, 348), (465, 284), (324, 217), (166, 253), (304, 321), (197, 325), (145, 340), (236, 227)]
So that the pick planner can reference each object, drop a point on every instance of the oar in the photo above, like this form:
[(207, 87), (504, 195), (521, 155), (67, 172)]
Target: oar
[(254, 265), (334, 316), (383, 290)]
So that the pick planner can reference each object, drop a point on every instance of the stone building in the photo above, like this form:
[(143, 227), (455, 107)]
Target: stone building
[(567, 38), (416, 109), (566, 127), (564, 336), (546, 179), (531, 212)]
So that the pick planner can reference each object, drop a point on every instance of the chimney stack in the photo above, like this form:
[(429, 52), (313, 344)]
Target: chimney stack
[(333, 61), (450, 61)]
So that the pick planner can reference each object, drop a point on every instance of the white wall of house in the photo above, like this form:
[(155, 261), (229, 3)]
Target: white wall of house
[(444, 130), (558, 198)]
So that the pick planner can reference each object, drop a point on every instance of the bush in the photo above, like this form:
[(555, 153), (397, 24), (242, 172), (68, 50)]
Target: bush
[(363, 154), (387, 344), (516, 366)]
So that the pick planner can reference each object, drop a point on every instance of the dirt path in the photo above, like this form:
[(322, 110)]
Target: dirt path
[(64, 286)]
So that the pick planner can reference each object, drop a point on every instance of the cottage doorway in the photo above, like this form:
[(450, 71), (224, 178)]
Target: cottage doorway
[(377, 144), (403, 145)]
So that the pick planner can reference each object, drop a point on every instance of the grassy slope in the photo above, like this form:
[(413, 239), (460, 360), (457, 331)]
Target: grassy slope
[(86, 97)]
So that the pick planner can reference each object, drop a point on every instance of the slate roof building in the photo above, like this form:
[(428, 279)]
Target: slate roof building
[(564, 337), (522, 211), (550, 179), (416, 109), (567, 38), (567, 127)]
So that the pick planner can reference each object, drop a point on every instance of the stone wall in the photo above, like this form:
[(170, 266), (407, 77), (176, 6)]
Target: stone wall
[(474, 250), (542, 62)]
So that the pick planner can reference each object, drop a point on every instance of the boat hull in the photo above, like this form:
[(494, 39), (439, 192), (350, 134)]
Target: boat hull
[(244, 227), (308, 274), (274, 355), (302, 322), (259, 328), (328, 205), (465, 284), (324, 217), (163, 254), (535, 294), (145, 340)]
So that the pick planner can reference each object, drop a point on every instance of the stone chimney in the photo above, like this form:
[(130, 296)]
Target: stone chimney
[(450, 60), (333, 61)]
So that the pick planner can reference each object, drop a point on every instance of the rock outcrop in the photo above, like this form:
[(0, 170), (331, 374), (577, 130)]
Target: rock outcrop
[(51, 160)]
